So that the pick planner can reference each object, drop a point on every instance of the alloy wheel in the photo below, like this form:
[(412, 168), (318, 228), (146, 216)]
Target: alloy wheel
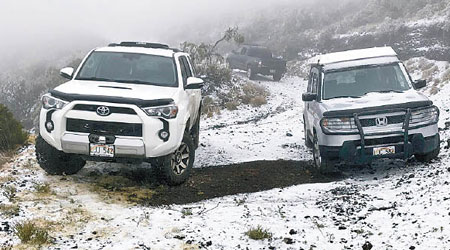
[(180, 159)]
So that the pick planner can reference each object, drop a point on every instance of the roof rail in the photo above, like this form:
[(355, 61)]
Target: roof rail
[(140, 44)]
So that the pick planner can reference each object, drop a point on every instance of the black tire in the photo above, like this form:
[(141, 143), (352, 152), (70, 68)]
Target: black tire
[(308, 142), (429, 156), (251, 73), (322, 164), (170, 168), (196, 132), (56, 162), (277, 77)]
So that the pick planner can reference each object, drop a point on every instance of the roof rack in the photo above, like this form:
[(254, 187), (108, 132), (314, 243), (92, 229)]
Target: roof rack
[(143, 45)]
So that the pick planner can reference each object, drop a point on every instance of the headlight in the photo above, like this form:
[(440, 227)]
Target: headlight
[(339, 125), (260, 64), (167, 112), (50, 102), (424, 116)]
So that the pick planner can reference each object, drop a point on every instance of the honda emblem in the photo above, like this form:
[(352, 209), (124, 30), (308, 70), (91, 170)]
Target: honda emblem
[(381, 121)]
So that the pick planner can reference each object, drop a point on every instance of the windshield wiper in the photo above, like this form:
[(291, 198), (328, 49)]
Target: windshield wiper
[(134, 81), (386, 91), (95, 79), (345, 96)]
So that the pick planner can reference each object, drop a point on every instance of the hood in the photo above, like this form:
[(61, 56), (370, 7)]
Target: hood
[(376, 101), (116, 90)]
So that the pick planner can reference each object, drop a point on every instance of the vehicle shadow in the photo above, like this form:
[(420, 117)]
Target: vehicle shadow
[(141, 185)]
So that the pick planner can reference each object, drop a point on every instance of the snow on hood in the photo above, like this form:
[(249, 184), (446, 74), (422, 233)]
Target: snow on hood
[(373, 100), (114, 89)]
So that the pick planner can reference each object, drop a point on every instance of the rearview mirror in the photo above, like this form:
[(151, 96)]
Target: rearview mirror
[(309, 97), (419, 84), (194, 83), (67, 73)]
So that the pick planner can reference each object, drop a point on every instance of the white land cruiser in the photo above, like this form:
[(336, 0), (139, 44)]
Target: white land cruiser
[(362, 105), (128, 102)]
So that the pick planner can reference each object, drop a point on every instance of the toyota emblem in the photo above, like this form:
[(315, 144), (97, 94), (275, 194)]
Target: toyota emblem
[(381, 121), (103, 111)]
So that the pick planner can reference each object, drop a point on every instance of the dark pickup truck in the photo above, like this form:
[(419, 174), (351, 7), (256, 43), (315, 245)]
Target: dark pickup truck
[(257, 60)]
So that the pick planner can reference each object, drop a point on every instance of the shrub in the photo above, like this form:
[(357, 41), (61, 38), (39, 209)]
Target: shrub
[(258, 233), (11, 131), (29, 233)]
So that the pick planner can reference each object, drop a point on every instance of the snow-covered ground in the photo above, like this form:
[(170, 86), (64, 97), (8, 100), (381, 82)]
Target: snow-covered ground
[(393, 205)]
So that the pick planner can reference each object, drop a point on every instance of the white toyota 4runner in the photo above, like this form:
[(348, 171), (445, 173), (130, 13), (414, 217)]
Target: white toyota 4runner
[(362, 105), (128, 102)]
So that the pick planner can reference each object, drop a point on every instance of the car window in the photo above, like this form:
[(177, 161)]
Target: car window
[(183, 70), (187, 68), (314, 80), (356, 82), (128, 68), (260, 53), (243, 51)]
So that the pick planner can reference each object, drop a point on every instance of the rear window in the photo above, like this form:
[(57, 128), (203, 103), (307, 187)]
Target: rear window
[(260, 53)]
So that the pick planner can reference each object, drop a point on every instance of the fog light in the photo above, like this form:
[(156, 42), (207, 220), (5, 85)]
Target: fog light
[(49, 126), (164, 135)]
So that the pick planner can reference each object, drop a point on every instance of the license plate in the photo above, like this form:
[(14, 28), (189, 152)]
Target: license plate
[(101, 150), (384, 150), (272, 71)]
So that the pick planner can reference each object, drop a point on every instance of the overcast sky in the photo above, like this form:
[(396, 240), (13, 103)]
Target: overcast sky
[(36, 26)]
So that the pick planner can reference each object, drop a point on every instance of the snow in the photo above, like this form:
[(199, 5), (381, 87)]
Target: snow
[(352, 55), (392, 205)]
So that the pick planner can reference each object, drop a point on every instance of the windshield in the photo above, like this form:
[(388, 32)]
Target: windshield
[(356, 82), (129, 68), (260, 53)]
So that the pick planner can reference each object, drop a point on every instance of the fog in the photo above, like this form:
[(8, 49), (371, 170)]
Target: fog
[(45, 29)]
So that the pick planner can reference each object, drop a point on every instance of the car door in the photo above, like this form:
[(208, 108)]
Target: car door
[(310, 107)]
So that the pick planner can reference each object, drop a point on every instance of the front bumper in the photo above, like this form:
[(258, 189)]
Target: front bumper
[(145, 144), (353, 152)]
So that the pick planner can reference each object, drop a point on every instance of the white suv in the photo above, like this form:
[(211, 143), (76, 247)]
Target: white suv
[(128, 102), (362, 105)]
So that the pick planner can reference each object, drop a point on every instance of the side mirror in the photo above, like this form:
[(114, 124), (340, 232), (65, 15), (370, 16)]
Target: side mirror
[(309, 97), (67, 73), (419, 84), (194, 83)]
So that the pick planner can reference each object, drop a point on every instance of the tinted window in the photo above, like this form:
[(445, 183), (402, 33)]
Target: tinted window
[(243, 51), (129, 68)]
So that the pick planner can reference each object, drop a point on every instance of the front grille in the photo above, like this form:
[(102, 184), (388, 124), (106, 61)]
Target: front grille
[(113, 110), (396, 119), (104, 128)]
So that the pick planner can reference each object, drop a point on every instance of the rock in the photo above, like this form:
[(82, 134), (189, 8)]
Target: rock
[(342, 227), (367, 246), (208, 243), (288, 241), (292, 232), (412, 247), (289, 134)]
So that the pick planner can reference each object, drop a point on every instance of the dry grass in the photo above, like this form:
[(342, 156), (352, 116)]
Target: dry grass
[(258, 233), (42, 188), (29, 233), (5, 157), (10, 192), (9, 210), (122, 189)]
